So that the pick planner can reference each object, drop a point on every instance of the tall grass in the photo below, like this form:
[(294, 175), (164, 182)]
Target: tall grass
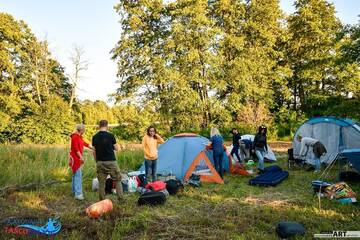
[(22, 164)]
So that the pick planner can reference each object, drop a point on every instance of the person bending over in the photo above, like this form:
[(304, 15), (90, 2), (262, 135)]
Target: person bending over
[(318, 149)]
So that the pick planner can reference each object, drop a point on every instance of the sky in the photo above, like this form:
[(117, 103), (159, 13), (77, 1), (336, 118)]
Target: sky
[(94, 25)]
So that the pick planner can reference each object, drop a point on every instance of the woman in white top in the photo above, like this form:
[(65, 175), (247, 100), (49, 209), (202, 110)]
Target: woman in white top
[(318, 149)]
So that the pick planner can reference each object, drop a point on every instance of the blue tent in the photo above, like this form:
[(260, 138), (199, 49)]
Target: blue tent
[(353, 156), (178, 153), (335, 133)]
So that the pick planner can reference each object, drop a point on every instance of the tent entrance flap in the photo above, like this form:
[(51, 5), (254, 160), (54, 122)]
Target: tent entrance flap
[(202, 166)]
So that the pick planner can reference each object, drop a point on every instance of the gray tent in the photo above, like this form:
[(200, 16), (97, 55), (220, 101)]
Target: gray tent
[(336, 134)]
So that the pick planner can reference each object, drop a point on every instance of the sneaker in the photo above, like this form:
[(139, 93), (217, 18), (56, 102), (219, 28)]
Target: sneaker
[(316, 171), (79, 197)]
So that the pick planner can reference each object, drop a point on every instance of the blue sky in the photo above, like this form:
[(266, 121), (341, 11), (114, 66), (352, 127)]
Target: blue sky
[(94, 25)]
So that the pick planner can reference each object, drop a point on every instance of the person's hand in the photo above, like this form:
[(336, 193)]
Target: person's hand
[(82, 159)]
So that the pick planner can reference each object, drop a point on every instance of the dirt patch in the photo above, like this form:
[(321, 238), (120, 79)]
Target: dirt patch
[(280, 146)]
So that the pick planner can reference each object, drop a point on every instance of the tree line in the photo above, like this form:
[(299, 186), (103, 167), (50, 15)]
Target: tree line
[(229, 62), (188, 65)]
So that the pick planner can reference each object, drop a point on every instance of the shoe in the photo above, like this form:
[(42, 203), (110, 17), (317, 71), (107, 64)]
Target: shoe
[(316, 171), (79, 197)]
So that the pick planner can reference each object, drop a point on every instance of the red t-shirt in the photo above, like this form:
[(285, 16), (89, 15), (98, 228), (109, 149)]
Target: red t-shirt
[(77, 145)]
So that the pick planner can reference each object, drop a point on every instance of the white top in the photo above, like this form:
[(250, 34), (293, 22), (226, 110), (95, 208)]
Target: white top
[(306, 142)]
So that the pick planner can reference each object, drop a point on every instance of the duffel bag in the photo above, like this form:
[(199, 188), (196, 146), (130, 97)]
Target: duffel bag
[(152, 198)]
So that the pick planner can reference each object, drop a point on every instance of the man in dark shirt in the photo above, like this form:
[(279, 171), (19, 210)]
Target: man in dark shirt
[(236, 143), (105, 144)]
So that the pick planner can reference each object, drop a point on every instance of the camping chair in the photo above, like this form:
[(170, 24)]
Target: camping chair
[(292, 161)]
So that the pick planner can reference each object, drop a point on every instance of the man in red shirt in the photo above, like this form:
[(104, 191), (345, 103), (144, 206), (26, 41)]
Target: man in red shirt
[(76, 160)]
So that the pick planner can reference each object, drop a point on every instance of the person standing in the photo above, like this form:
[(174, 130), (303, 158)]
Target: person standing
[(318, 149), (236, 143), (105, 144), (260, 146), (76, 160), (150, 143), (217, 143)]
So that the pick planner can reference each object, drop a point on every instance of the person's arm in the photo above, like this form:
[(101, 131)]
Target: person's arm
[(159, 139), (77, 148), (302, 148), (94, 150), (115, 144)]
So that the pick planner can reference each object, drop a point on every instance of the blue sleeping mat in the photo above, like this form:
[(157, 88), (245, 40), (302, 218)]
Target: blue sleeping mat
[(272, 176)]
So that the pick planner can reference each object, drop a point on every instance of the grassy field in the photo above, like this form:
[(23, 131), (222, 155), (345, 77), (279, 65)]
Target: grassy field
[(231, 211)]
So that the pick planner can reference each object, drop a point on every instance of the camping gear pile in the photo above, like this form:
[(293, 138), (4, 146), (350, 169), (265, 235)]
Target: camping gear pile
[(340, 192), (270, 176)]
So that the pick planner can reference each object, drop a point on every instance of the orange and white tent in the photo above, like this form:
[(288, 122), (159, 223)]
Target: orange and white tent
[(185, 154)]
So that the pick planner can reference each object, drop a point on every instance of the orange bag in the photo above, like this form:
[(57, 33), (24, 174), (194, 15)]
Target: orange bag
[(99, 208), (239, 169)]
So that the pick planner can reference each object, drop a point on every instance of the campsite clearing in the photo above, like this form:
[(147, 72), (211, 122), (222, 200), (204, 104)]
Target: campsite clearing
[(231, 211)]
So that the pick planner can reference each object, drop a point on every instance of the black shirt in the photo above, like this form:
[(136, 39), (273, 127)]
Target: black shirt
[(236, 138), (260, 141), (104, 146)]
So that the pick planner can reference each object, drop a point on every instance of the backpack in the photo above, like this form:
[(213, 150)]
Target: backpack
[(173, 186), (152, 198), (109, 185), (142, 180)]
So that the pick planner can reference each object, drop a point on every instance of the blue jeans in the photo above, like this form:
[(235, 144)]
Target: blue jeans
[(260, 155), (218, 159), (235, 150), (150, 168), (77, 182), (317, 164)]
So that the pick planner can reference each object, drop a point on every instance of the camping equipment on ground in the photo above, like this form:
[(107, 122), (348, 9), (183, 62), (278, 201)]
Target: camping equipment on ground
[(250, 166), (132, 184), (165, 192), (319, 186), (156, 186), (165, 175), (289, 229), (99, 208), (141, 179), (109, 185), (269, 156), (292, 161), (152, 198), (349, 176), (125, 185), (173, 186), (341, 192), (185, 154), (194, 181), (239, 169), (95, 184), (271, 176), (336, 134), (135, 173)]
